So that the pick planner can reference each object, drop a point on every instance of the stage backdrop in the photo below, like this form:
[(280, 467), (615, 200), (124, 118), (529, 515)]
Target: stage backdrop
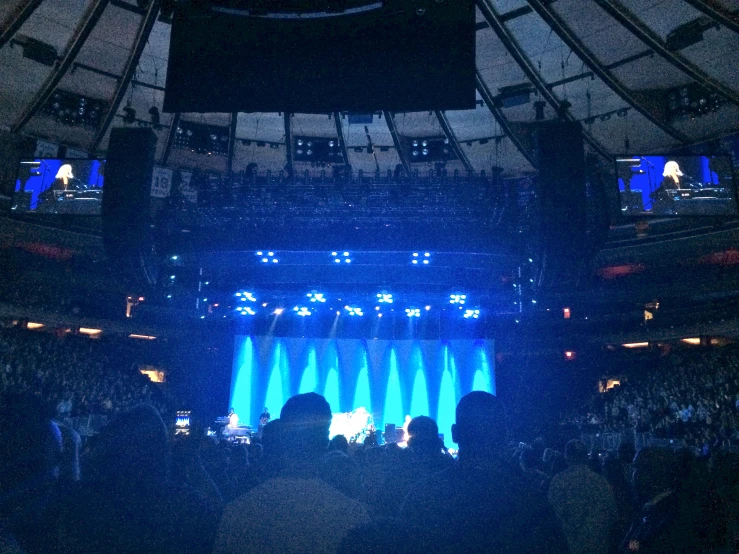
[(388, 378)]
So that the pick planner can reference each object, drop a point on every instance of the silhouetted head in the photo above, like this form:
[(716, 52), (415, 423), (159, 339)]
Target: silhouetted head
[(339, 444), (654, 472), (423, 435), (480, 424), (576, 452), (306, 419), (30, 451), (133, 450)]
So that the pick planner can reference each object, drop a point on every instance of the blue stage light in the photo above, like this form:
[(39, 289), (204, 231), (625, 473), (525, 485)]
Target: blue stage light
[(347, 260), (426, 262), (474, 314), (302, 311), (413, 312), (169, 296), (426, 254), (337, 260), (274, 260), (334, 254), (346, 254), (316, 297), (260, 253), (175, 258), (354, 310), (415, 261), (415, 254), (457, 298), (384, 298), (265, 260), (270, 254)]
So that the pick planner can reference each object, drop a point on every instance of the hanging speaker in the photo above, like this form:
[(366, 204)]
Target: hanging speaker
[(126, 218)]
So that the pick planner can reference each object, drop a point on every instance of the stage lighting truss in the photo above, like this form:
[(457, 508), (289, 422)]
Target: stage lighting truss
[(457, 298), (341, 256), (354, 311), (267, 257), (316, 297), (413, 312), (245, 296), (384, 298), (419, 258), (302, 311), (472, 314)]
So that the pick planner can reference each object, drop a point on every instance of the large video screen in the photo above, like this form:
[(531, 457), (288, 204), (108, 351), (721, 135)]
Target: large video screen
[(59, 186), (360, 56), (676, 185)]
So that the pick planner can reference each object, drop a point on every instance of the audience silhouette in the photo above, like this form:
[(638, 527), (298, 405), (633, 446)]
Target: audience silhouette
[(481, 504), (295, 511)]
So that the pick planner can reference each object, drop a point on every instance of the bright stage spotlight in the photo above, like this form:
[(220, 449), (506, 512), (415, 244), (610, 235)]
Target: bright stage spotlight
[(353, 310), (384, 298), (302, 311), (245, 310), (246, 295), (413, 312), (316, 297), (457, 298), (278, 311), (471, 314)]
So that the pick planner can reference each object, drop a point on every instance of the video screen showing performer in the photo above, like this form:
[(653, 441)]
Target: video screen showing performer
[(59, 186), (676, 185)]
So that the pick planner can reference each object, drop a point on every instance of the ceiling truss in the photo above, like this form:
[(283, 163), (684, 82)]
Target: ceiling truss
[(147, 24), (575, 44), (631, 22)]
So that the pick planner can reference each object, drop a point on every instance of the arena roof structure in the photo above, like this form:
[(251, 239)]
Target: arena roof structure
[(641, 75)]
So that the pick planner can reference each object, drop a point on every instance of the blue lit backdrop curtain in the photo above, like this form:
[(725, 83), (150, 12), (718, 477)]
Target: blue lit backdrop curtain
[(389, 378)]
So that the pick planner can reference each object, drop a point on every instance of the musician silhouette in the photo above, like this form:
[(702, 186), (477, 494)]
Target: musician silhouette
[(671, 175), (662, 201)]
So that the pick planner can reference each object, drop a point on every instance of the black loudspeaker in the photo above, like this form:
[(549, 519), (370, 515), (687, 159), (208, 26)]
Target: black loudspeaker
[(391, 433), (561, 157), (126, 216)]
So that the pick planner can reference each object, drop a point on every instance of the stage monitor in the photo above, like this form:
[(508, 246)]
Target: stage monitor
[(356, 55), (676, 185), (68, 186)]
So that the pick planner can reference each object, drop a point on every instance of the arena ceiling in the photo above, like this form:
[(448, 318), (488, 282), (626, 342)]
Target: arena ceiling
[(607, 63)]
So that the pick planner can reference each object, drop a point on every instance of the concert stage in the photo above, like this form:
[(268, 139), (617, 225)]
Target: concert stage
[(391, 379)]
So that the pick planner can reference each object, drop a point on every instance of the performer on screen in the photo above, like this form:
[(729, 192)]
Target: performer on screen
[(671, 176), (662, 201), (64, 178)]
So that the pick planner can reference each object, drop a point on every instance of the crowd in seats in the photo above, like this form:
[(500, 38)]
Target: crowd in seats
[(691, 394), (73, 375), (139, 490), (136, 488)]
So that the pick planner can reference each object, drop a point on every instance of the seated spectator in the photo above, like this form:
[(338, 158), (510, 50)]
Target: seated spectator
[(480, 504), (126, 503), (584, 502), (658, 526), (30, 452), (295, 512)]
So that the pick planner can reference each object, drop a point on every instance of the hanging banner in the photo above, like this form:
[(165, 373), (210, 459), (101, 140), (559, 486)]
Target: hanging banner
[(72, 153), (187, 190), (46, 149), (161, 182)]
